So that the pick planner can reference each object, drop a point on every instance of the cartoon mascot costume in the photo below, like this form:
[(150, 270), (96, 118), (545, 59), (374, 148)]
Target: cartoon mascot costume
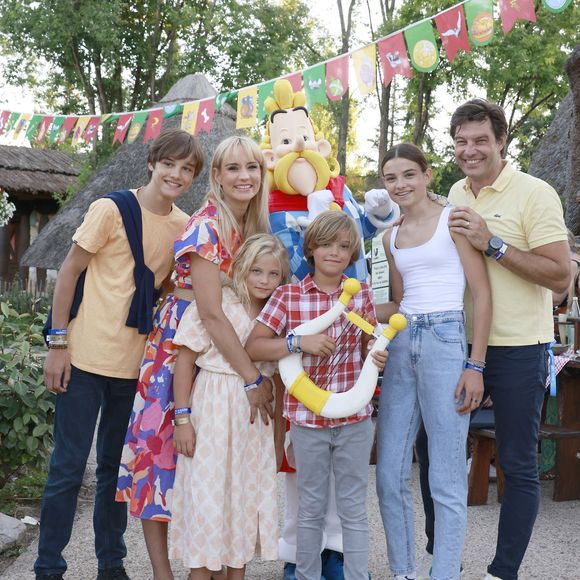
[(304, 181)]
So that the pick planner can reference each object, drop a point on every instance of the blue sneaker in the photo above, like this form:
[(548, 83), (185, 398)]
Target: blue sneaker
[(289, 571), (332, 565)]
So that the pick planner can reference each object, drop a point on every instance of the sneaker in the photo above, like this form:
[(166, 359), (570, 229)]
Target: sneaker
[(289, 571), (117, 573), (407, 577), (49, 577), (332, 565), (491, 577)]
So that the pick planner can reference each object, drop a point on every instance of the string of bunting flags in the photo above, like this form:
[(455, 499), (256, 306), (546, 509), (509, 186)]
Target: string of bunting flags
[(415, 46)]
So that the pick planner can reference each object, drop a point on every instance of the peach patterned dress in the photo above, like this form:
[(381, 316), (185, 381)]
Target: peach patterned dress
[(224, 497)]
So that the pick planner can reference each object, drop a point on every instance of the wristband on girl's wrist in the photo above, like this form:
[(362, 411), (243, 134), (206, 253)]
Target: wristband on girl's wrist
[(255, 384), (473, 367)]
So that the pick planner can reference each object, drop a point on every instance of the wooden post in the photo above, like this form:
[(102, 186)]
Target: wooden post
[(4, 253), (22, 243)]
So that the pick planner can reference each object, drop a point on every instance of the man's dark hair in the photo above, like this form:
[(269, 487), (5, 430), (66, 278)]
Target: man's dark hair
[(480, 110)]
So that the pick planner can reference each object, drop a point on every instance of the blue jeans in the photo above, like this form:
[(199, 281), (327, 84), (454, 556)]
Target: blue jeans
[(424, 367), (346, 451), (74, 426)]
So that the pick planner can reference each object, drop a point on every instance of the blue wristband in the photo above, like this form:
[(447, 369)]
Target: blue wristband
[(473, 368), (289, 342), (255, 384), (58, 331), (182, 411)]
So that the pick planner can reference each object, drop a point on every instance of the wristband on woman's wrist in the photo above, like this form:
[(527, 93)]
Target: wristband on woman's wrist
[(473, 367), (182, 411), (181, 420), (255, 384)]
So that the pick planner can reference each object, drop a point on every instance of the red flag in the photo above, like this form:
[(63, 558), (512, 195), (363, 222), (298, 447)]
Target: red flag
[(337, 77), (44, 127), (205, 115), (453, 31), (91, 129), (66, 128), (512, 10), (4, 120), (154, 123), (394, 58), (295, 79), (123, 126)]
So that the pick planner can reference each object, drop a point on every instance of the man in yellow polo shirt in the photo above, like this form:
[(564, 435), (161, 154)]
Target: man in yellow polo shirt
[(517, 221)]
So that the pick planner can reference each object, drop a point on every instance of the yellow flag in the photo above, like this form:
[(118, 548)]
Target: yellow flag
[(189, 117), (20, 125), (79, 129), (364, 62), (247, 107)]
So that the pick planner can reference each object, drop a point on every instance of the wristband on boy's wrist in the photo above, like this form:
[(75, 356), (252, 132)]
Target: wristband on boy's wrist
[(293, 343), (255, 384)]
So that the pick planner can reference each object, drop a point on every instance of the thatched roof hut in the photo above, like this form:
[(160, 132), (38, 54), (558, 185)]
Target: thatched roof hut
[(127, 168), (30, 174), (557, 158)]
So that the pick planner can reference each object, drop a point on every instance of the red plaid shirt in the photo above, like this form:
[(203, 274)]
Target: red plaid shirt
[(293, 304)]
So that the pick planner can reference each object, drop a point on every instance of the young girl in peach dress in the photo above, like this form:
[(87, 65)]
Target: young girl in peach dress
[(224, 497)]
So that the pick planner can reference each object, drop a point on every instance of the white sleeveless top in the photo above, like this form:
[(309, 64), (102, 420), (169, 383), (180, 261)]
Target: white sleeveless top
[(433, 277)]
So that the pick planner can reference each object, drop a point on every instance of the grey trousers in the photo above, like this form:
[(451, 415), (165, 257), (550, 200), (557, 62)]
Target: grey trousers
[(345, 450)]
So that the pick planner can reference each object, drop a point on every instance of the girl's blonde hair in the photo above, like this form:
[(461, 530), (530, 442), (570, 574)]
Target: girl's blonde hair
[(254, 248), (256, 217), (326, 228)]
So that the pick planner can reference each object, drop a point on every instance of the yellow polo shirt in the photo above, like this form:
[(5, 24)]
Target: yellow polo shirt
[(99, 341), (525, 212)]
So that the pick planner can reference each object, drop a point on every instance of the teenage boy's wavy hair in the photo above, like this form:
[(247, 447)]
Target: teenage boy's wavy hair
[(326, 228), (176, 144)]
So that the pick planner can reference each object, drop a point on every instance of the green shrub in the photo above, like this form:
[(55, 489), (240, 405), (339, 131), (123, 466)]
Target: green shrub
[(26, 408)]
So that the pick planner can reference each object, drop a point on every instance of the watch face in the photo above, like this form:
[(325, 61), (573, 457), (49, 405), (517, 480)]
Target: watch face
[(495, 243)]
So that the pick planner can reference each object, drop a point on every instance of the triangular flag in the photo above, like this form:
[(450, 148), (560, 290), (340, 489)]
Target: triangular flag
[(55, 127), (337, 77), (556, 5), (189, 117), (79, 129), (511, 11), (453, 31), (393, 58), (108, 118), (265, 90), (295, 80), (21, 125), (11, 122), (314, 87), (154, 124), (172, 110), (479, 16), (247, 108), (33, 127), (92, 128), (44, 127), (422, 46), (205, 116), (66, 128), (122, 127), (4, 120), (364, 62), (137, 123), (221, 99)]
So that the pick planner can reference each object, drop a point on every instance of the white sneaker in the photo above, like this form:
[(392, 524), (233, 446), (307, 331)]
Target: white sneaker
[(491, 577), (424, 566), (405, 577)]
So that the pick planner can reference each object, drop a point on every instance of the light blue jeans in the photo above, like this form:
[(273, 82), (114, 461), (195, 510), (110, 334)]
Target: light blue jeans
[(425, 363)]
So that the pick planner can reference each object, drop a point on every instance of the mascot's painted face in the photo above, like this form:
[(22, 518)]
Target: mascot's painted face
[(297, 160)]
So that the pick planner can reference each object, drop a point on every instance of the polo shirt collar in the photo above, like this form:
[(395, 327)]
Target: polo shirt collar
[(501, 182), (308, 284)]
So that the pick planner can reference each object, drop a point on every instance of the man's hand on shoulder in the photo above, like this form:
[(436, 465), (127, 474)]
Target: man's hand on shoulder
[(468, 223)]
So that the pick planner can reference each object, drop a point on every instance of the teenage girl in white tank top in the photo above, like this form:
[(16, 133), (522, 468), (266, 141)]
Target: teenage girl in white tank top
[(429, 375)]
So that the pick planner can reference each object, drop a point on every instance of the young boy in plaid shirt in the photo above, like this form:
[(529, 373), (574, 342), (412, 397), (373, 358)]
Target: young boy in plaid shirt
[(331, 244)]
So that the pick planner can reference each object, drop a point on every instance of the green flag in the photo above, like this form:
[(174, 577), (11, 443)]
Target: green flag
[(265, 90), (55, 127), (223, 97), (479, 17), (33, 127), (138, 122), (314, 85), (556, 5), (11, 122), (422, 46)]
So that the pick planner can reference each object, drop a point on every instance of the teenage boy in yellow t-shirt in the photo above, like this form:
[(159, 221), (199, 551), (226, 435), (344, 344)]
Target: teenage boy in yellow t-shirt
[(93, 361)]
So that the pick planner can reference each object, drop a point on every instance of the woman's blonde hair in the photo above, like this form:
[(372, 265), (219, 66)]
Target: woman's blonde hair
[(256, 217), (326, 228), (254, 248)]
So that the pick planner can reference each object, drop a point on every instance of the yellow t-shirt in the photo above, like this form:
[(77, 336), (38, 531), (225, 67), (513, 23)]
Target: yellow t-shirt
[(99, 341), (525, 212)]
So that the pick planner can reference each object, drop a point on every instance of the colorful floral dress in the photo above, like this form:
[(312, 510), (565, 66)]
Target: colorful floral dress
[(147, 468), (225, 498)]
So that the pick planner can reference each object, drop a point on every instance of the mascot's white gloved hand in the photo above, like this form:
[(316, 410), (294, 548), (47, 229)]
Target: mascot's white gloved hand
[(318, 201), (379, 206)]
